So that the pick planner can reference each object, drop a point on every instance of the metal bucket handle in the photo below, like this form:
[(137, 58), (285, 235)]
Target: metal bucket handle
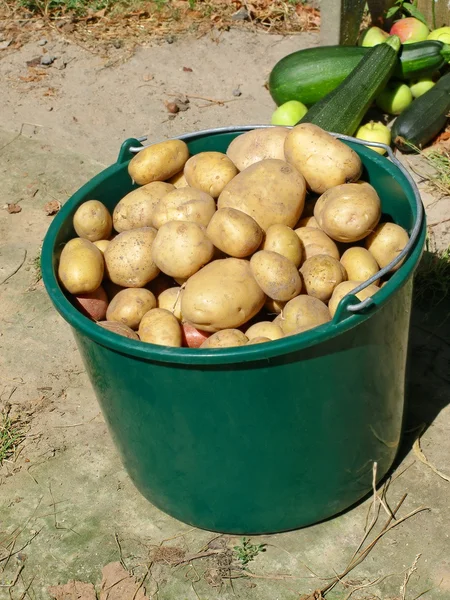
[(415, 232)]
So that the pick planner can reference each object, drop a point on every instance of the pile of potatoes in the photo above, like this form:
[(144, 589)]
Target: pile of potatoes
[(218, 250)]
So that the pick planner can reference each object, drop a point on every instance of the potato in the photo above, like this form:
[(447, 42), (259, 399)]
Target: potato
[(81, 266), (128, 258), (93, 304), (92, 221), (160, 326), (181, 248), (359, 264), (283, 240), (348, 212), (226, 338), (323, 160), (315, 241), (158, 162), (274, 307), (223, 295), (135, 210), (345, 288), (102, 245), (130, 305), (321, 274), (258, 340), (258, 144), (178, 180), (119, 328), (234, 232), (303, 311), (209, 172), (185, 204), (171, 300), (192, 337), (270, 191), (308, 222), (276, 275), (265, 329), (386, 242)]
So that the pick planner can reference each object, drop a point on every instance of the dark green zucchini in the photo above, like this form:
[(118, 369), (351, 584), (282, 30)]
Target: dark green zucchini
[(343, 109), (309, 75), (424, 118)]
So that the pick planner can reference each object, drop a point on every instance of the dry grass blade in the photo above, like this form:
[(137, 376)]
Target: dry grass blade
[(421, 456), (11, 435), (408, 574)]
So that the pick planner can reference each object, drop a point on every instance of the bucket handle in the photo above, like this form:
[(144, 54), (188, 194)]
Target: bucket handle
[(345, 303)]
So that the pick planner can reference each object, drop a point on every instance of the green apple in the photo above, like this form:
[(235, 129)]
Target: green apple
[(394, 98), (289, 113), (375, 132), (420, 86), (372, 37), (441, 35)]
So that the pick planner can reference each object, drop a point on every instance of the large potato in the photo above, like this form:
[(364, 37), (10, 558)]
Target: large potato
[(276, 275), (315, 241), (359, 264), (321, 274), (270, 191), (223, 295), (303, 312), (160, 326), (170, 299), (348, 212), (258, 144), (158, 162), (345, 288), (283, 240), (81, 266), (265, 329), (185, 204), (234, 232), (386, 243), (226, 338), (181, 248), (130, 305), (209, 172), (323, 160), (128, 258), (136, 208), (92, 221)]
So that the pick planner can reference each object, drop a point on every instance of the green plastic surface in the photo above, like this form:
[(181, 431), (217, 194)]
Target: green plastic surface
[(254, 439)]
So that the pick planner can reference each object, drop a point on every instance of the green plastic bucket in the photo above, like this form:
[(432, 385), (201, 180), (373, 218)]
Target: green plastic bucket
[(263, 438)]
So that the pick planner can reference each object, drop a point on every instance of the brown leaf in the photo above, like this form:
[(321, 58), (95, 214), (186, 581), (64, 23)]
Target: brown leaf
[(52, 207), (13, 208), (34, 62), (187, 69), (118, 584), (74, 590)]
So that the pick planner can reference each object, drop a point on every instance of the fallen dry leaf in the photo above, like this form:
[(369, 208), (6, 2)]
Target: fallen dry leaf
[(13, 208), (74, 590), (52, 207), (118, 584), (187, 69)]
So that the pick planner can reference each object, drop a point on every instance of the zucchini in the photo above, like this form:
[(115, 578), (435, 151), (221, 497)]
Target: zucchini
[(424, 118), (343, 109), (309, 75)]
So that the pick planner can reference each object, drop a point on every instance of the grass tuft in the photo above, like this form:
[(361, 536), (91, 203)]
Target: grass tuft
[(11, 435)]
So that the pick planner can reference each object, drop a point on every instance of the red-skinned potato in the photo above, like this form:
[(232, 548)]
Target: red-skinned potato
[(192, 337), (119, 329), (93, 305)]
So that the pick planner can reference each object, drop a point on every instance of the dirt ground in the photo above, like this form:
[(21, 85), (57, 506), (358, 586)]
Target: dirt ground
[(67, 507)]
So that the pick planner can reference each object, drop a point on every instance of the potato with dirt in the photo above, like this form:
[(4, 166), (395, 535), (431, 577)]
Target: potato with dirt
[(320, 275), (136, 209), (265, 329), (303, 312), (128, 258), (256, 145), (346, 287), (181, 248), (92, 221), (158, 162), (222, 295), (386, 243), (130, 305), (227, 338), (323, 160), (184, 204), (315, 241), (209, 172), (283, 240), (348, 212), (270, 191), (359, 264), (161, 327), (234, 232), (276, 275), (81, 266)]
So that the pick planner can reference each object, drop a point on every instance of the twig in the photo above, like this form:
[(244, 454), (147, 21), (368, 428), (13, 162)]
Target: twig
[(15, 271), (206, 98), (408, 574), (219, 103), (14, 581), (197, 556), (25, 592), (116, 537), (421, 456)]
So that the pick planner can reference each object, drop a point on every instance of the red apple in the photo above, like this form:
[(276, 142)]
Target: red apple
[(410, 30)]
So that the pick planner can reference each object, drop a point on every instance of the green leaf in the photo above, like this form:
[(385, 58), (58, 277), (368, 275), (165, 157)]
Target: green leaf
[(414, 12), (392, 11)]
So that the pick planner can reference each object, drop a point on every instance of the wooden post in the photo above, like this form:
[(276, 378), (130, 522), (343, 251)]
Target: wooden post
[(340, 21), (441, 12)]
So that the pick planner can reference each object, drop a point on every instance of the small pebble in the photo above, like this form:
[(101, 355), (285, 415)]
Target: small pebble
[(237, 92), (42, 42), (240, 15), (47, 60), (170, 39)]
